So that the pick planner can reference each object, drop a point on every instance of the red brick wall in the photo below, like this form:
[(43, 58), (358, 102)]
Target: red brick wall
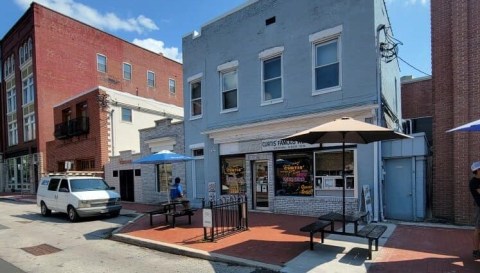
[(456, 95), (10, 44), (64, 61), (92, 145), (417, 98)]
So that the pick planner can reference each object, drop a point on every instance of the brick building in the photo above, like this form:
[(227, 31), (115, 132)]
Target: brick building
[(417, 105), (47, 58), (456, 96), (99, 123)]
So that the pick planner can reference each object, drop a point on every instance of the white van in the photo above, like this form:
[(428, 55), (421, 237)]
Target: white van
[(78, 196)]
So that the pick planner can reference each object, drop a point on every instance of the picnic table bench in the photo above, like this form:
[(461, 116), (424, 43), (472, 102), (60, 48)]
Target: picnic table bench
[(169, 209), (317, 226), (372, 232)]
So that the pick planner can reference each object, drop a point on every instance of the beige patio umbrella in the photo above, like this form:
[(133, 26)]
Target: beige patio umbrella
[(345, 130)]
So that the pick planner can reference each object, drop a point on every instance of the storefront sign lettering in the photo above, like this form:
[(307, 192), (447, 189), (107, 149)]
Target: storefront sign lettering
[(280, 144)]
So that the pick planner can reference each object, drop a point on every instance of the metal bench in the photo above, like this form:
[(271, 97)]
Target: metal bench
[(372, 232), (175, 214), (161, 210), (317, 226)]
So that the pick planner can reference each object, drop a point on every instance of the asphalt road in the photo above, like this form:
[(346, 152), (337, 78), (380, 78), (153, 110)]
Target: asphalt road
[(32, 243)]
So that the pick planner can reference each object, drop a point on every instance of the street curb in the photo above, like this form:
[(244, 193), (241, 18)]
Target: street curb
[(190, 252)]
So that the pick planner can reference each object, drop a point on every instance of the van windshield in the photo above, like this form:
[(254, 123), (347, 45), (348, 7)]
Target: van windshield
[(88, 185)]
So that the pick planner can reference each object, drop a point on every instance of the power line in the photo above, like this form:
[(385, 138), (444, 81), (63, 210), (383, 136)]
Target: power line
[(412, 66)]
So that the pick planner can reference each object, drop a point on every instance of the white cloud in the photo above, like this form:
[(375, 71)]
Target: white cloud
[(89, 15), (159, 47)]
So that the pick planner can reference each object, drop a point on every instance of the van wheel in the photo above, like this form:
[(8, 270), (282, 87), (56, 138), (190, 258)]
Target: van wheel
[(72, 214), (44, 210)]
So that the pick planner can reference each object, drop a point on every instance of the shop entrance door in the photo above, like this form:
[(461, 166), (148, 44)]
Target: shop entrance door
[(260, 185), (126, 185)]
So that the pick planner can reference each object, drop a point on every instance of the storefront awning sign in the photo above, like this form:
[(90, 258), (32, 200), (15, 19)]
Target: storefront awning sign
[(279, 144)]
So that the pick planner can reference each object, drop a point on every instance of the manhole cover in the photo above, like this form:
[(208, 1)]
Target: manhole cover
[(3, 227), (42, 249)]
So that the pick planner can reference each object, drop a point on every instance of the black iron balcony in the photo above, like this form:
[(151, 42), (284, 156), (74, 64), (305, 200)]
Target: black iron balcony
[(71, 128)]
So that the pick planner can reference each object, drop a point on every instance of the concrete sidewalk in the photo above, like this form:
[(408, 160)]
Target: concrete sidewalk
[(274, 242)]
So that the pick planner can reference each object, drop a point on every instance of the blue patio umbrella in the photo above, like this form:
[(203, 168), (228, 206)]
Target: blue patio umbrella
[(163, 157), (469, 127)]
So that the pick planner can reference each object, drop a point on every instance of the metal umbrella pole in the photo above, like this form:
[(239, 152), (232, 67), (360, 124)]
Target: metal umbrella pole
[(343, 178)]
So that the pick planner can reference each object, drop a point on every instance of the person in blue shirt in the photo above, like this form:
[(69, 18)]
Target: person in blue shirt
[(176, 193)]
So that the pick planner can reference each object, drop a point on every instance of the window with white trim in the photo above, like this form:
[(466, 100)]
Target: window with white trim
[(29, 127), (272, 80), (172, 86), (229, 90), (25, 52), (327, 65), (196, 98), (151, 78), (12, 133), (11, 96), (326, 46), (9, 66), (28, 91), (127, 71), (126, 114), (101, 63)]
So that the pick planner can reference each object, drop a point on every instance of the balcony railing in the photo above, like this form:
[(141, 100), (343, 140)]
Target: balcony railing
[(71, 128)]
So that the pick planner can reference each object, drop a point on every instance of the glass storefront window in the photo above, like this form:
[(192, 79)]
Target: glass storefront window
[(233, 175), (293, 174), (164, 177), (329, 170)]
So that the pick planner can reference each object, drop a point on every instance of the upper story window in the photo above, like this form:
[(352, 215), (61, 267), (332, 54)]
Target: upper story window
[(126, 114), (11, 96), (172, 85), (66, 115), (151, 78), (272, 79), (228, 86), (28, 91), (25, 52), (101, 63), (29, 127), (272, 90), (12, 133), (195, 95), (327, 60), (127, 71), (9, 66)]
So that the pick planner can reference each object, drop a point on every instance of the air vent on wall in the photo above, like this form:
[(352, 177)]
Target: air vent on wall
[(270, 21)]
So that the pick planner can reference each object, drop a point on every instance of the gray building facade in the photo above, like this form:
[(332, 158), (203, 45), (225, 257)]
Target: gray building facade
[(271, 68)]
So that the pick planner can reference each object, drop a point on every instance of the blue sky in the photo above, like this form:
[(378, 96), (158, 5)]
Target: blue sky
[(159, 25)]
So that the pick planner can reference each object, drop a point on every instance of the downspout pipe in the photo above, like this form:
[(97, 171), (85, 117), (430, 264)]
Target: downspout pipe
[(377, 207), (112, 132)]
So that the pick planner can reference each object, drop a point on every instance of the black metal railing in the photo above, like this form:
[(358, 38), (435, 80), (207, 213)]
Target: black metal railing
[(71, 128), (229, 215)]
